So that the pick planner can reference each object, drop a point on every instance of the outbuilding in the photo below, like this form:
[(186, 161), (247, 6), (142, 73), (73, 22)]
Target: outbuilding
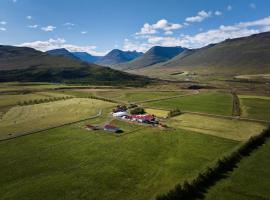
[(111, 128)]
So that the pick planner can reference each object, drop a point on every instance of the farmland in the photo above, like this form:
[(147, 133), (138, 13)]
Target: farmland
[(208, 102), (226, 128), (250, 180), (71, 162), (257, 107), (28, 118)]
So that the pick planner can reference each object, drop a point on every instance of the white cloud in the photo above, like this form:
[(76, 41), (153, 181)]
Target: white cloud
[(29, 17), (61, 43), (162, 24), (229, 7), (252, 5), (33, 26), (201, 39), (83, 32), (202, 15), (3, 22), (68, 24), (218, 13), (168, 32), (3, 29), (48, 28)]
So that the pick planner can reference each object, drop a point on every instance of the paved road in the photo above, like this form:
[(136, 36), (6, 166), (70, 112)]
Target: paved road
[(50, 128)]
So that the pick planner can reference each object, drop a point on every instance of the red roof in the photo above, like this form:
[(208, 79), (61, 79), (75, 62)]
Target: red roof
[(143, 117)]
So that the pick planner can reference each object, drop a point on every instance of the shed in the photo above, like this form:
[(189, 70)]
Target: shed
[(111, 128)]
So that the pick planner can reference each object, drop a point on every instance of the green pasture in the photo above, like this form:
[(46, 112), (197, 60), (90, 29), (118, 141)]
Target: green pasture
[(227, 128), (21, 119), (249, 181), (74, 163), (206, 102), (134, 96), (257, 107)]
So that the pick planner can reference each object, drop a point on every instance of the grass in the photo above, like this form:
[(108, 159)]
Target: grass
[(226, 128), (257, 107), (157, 112), (249, 181), (73, 163), (135, 96), (21, 119), (207, 102), (8, 100)]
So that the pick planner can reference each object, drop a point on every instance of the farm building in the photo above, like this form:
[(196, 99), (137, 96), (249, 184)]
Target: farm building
[(144, 118), (120, 114), (91, 127), (111, 128)]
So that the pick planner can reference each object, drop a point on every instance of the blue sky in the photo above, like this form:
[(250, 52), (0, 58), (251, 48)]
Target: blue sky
[(97, 26)]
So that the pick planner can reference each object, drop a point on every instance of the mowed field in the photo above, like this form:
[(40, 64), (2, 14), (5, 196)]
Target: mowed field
[(73, 163), (249, 181), (256, 107), (137, 96), (21, 119), (227, 128), (207, 102)]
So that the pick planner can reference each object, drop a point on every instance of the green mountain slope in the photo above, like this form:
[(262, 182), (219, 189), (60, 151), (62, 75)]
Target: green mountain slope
[(117, 56), (26, 64), (242, 55), (154, 55)]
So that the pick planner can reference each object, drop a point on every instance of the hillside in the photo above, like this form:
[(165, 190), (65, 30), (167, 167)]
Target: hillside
[(26, 64), (117, 56), (62, 52), (242, 55), (86, 57), (154, 55)]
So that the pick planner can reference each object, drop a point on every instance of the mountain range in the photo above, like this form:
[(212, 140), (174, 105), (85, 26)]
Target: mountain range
[(154, 55), (27, 64), (117, 56), (240, 56), (245, 55)]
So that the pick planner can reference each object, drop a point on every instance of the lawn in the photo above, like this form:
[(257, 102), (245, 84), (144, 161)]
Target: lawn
[(257, 107), (249, 181), (207, 102), (226, 128), (73, 163), (21, 119)]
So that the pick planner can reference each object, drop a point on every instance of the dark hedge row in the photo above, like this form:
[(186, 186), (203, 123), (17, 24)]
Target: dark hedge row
[(196, 188), (174, 112), (46, 100)]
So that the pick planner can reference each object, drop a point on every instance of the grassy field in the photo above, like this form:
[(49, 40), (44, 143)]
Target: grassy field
[(73, 163), (207, 102), (16, 86), (257, 107), (249, 181), (22, 119), (134, 96), (157, 112), (226, 128)]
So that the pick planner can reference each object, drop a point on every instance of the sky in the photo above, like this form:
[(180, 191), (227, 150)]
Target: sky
[(98, 26)]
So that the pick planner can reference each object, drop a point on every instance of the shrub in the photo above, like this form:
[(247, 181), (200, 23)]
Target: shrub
[(174, 112), (137, 110)]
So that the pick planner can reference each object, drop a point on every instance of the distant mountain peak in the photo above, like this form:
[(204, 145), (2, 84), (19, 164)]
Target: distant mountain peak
[(117, 56)]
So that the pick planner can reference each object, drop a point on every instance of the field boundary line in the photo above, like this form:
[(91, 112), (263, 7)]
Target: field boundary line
[(50, 128), (217, 116), (165, 98)]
